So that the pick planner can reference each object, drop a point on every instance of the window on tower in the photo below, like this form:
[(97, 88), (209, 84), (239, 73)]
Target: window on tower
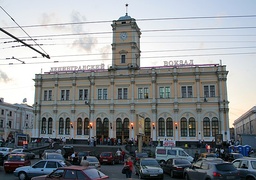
[(123, 59)]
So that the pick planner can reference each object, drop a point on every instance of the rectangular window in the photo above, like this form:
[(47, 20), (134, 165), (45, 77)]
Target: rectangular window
[(122, 59), (105, 94), (2, 112), (83, 94), (186, 91), (122, 93), (209, 91), (62, 95), (102, 94), (45, 95), (143, 93), (67, 95), (164, 92), (1, 123), (50, 95)]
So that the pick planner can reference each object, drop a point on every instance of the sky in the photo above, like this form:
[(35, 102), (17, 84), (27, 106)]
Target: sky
[(79, 32)]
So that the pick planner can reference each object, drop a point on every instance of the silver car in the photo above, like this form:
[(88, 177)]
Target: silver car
[(93, 162), (149, 168), (211, 169), (246, 167), (42, 167)]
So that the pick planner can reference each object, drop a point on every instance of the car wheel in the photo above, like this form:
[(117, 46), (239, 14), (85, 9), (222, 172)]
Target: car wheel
[(186, 176), (22, 176), (171, 174), (250, 178)]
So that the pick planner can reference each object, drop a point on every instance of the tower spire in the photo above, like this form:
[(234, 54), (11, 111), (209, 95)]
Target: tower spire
[(126, 5)]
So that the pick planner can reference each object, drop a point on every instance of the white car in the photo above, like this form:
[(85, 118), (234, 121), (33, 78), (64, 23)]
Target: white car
[(5, 151), (30, 154), (43, 167)]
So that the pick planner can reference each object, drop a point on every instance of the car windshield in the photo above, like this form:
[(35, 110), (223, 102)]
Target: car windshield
[(181, 161), (253, 163), (236, 156), (92, 159), (16, 158), (225, 167), (142, 155), (54, 156), (149, 163), (106, 154), (17, 150), (83, 153), (94, 173)]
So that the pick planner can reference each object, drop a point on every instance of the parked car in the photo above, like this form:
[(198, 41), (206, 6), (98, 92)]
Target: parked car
[(93, 162), (53, 156), (16, 160), (5, 151), (138, 156), (207, 155), (232, 156), (42, 167), (211, 169), (163, 153), (247, 167), (109, 158), (175, 166), (148, 168), (1, 159), (30, 154), (74, 172), (68, 151), (81, 154), (48, 151)]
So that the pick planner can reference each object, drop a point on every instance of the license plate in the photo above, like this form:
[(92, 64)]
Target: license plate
[(230, 177), (153, 174), (105, 160)]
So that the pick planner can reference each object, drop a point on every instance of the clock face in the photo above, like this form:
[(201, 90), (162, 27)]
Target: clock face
[(123, 35)]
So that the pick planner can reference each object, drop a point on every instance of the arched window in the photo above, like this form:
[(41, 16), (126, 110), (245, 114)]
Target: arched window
[(86, 126), (126, 128), (67, 126), (206, 127), (215, 126), (147, 128), (79, 126), (183, 127), (169, 127), (43, 129), (161, 127), (105, 127), (50, 126), (192, 127), (99, 127), (119, 128), (61, 126)]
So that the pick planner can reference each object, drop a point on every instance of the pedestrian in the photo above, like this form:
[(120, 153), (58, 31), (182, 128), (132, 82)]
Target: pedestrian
[(119, 153), (84, 162), (196, 156), (123, 155), (129, 164)]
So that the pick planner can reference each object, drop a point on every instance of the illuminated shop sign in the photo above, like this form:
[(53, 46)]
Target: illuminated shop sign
[(77, 68), (179, 63)]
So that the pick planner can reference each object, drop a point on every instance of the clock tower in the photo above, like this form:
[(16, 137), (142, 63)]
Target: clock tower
[(126, 44)]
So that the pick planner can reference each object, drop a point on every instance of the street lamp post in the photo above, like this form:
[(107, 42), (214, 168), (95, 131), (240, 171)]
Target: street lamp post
[(90, 123)]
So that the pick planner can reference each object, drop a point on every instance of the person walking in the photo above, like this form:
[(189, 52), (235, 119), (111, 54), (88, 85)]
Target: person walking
[(129, 164)]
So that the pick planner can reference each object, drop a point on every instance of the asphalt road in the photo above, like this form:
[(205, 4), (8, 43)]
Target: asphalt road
[(113, 171)]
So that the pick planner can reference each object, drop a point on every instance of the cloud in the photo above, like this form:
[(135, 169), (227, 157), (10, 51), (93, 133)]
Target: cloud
[(85, 43), (105, 51), (4, 77)]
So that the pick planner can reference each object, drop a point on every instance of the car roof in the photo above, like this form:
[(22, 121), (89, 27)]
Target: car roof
[(148, 158), (74, 167), (18, 154), (91, 157), (248, 158), (55, 160)]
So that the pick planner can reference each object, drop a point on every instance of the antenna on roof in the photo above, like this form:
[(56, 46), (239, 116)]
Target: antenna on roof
[(126, 5)]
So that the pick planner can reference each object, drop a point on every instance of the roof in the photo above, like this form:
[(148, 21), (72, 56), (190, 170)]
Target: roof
[(126, 17), (74, 167)]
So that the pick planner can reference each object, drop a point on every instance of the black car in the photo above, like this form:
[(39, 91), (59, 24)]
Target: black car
[(68, 151), (175, 166), (1, 159)]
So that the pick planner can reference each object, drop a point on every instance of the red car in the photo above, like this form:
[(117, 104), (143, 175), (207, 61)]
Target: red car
[(73, 172), (16, 160), (109, 158)]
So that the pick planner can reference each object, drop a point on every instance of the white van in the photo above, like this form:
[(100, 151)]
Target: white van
[(163, 153)]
